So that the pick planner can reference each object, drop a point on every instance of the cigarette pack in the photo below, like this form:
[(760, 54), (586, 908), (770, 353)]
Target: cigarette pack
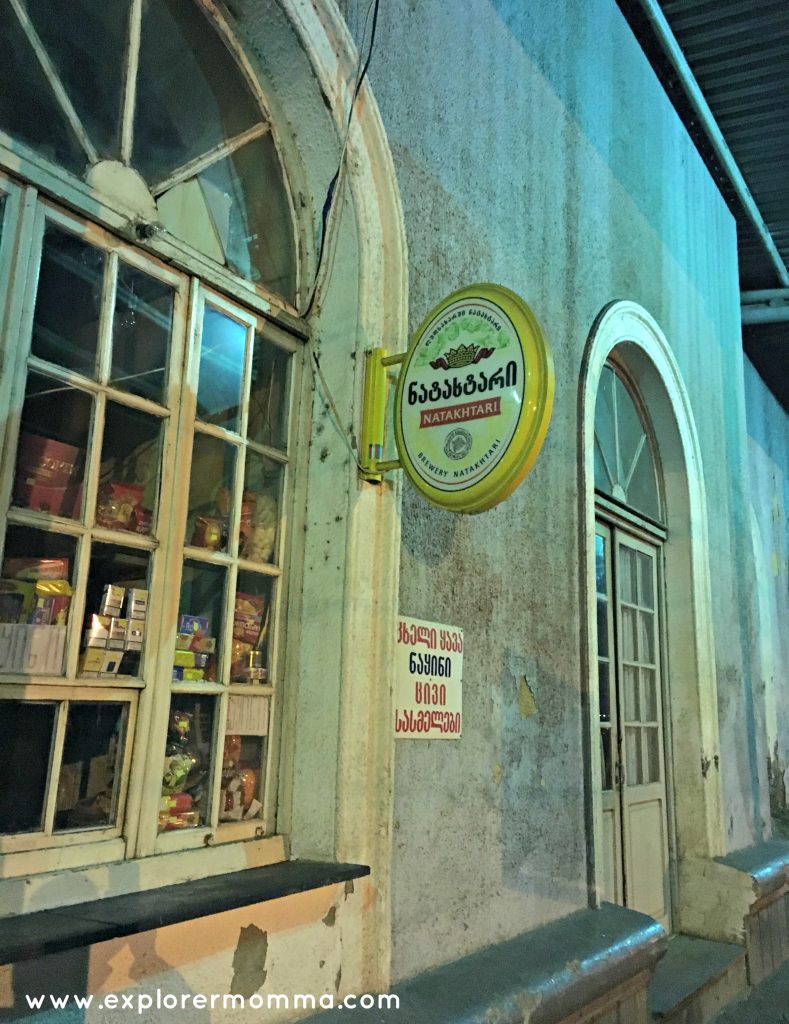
[(110, 663), (112, 600), (135, 634), (91, 661), (137, 603), (117, 639), (98, 632)]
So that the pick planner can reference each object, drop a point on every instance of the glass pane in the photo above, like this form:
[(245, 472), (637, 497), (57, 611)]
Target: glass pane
[(632, 713), (141, 334), (251, 619), (188, 760), (646, 642), (129, 487), (260, 509), (250, 209), (191, 94), (268, 394), (26, 731), (629, 426), (646, 595), (606, 766), (35, 597), (28, 109), (91, 766), (116, 609), (629, 648), (649, 694), (633, 768), (52, 443), (599, 550), (200, 623), (604, 427), (602, 480), (210, 490), (602, 626), (604, 690), (651, 755), (628, 585), (91, 74), (68, 302), (642, 494), (244, 758), (222, 350)]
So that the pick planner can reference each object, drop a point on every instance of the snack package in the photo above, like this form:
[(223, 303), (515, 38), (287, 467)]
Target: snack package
[(17, 600), (117, 508), (209, 533), (248, 617), (53, 598), (36, 568)]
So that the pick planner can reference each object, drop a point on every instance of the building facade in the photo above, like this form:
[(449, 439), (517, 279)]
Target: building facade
[(185, 320)]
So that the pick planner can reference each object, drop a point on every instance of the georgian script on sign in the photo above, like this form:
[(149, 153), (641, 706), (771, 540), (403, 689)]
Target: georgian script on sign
[(428, 680)]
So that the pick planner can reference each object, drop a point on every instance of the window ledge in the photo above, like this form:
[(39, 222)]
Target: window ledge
[(767, 863), (53, 931)]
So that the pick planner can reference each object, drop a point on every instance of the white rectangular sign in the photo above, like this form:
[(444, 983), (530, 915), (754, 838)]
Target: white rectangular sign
[(428, 698)]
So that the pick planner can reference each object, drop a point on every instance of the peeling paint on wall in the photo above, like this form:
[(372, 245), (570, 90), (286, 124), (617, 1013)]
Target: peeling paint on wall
[(526, 703), (249, 961)]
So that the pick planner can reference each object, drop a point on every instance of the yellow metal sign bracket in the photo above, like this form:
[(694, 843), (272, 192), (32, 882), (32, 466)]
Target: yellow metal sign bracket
[(376, 391)]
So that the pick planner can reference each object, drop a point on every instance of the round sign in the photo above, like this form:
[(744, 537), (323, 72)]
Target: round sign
[(473, 399)]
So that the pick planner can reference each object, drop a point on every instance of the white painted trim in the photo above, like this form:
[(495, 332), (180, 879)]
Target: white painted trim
[(621, 323), (364, 799)]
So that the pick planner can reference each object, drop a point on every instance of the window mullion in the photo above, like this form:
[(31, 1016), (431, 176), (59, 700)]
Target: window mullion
[(130, 80), (106, 314), (55, 759)]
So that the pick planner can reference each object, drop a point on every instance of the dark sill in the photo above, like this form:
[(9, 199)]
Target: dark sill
[(28, 936)]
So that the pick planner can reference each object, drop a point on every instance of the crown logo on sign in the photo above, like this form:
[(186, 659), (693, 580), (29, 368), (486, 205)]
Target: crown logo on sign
[(463, 355)]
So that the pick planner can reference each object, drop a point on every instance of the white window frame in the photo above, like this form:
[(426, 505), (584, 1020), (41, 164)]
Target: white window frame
[(136, 834)]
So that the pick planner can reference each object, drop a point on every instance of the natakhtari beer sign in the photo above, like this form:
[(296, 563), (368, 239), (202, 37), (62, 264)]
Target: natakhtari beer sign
[(473, 399)]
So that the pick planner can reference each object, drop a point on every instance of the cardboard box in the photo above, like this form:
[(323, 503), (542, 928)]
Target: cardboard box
[(31, 649)]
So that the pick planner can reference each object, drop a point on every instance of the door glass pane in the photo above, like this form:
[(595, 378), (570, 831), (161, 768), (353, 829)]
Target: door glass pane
[(91, 766), (251, 619), (53, 439), (222, 351), (646, 596), (268, 394), (26, 731), (630, 681), (605, 754), (649, 692), (198, 643), (604, 690), (129, 487), (68, 303), (629, 640), (210, 492), (260, 509), (646, 643), (633, 768), (602, 627), (141, 332), (628, 584), (188, 763), (651, 755), (599, 552)]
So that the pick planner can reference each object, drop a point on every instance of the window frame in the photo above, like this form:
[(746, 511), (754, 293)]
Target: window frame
[(135, 835)]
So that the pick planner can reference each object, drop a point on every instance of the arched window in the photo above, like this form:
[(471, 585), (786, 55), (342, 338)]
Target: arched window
[(145, 420), (624, 460), (150, 103)]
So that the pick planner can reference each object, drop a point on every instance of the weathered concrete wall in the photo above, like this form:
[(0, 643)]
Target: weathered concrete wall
[(768, 463), (534, 147), (309, 944)]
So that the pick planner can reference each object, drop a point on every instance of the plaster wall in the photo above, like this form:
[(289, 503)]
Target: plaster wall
[(768, 464), (309, 944), (535, 148)]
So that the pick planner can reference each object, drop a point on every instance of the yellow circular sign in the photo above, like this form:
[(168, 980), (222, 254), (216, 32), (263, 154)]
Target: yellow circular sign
[(474, 399)]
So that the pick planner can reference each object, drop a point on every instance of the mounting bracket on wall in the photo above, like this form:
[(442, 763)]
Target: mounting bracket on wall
[(376, 393)]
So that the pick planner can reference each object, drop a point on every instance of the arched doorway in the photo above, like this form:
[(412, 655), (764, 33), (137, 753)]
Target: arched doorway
[(678, 788)]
